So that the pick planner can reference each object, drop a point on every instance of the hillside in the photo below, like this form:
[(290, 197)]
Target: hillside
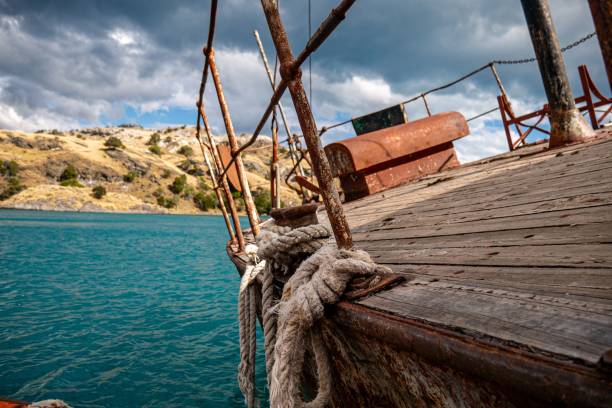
[(159, 171)]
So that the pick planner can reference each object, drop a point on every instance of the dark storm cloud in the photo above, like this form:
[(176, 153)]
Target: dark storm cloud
[(80, 61)]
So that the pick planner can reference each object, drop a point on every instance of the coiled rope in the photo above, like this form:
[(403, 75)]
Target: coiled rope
[(290, 326)]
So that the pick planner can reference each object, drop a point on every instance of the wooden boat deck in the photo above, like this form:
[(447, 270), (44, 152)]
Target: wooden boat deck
[(514, 249)]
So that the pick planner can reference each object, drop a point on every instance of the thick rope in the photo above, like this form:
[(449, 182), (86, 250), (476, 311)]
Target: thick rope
[(269, 318), (247, 319), (320, 280), (290, 327)]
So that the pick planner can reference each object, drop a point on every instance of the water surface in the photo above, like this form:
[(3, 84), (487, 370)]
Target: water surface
[(112, 310)]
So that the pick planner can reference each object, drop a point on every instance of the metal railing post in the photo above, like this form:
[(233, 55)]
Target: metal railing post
[(223, 181), (291, 73), (274, 170), (567, 125), (601, 11), (233, 142), (290, 140), (504, 95), (211, 173)]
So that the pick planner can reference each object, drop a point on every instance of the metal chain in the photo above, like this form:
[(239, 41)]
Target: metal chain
[(527, 60)]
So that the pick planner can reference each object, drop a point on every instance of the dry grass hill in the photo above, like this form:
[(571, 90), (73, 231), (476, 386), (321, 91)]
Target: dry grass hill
[(121, 169)]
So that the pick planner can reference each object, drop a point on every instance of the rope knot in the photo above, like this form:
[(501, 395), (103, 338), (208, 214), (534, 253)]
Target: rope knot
[(322, 274)]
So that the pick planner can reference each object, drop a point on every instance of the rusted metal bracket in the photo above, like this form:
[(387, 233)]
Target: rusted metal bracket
[(303, 182)]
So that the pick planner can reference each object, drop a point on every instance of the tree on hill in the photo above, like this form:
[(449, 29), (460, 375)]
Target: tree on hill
[(185, 150), (9, 168), (98, 192), (70, 172), (205, 200), (154, 139), (13, 187), (114, 142), (178, 185), (69, 177), (155, 149)]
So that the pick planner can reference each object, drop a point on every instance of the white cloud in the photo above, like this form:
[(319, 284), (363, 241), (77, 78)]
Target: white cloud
[(122, 37)]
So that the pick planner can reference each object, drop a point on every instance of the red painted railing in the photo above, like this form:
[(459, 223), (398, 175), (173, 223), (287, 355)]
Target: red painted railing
[(589, 102)]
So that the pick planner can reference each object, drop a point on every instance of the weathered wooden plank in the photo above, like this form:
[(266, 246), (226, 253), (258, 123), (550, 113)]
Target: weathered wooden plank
[(567, 218), (510, 316), (594, 285), (563, 256), (590, 233), (458, 201), (546, 201)]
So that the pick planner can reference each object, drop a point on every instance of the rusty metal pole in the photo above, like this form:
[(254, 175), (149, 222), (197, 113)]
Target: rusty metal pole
[(224, 185), (507, 103), (426, 105), (601, 10), (320, 165), (274, 185), (211, 173), (264, 58), (567, 125), (229, 127)]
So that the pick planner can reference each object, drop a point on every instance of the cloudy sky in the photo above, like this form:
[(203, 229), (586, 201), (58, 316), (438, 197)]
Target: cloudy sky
[(71, 63)]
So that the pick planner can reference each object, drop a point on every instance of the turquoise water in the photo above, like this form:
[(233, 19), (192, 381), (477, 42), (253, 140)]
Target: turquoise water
[(109, 310)]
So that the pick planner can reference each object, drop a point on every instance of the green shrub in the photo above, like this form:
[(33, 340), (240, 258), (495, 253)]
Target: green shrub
[(263, 201), (69, 173), (98, 192), (155, 149), (114, 142), (186, 151), (9, 168), (168, 139), (238, 200), (166, 173), (205, 200), (130, 176), (13, 187), (167, 202), (187, 166), (70, 183), (154, 139), (202, 184), (188, 192), (178, 185)]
